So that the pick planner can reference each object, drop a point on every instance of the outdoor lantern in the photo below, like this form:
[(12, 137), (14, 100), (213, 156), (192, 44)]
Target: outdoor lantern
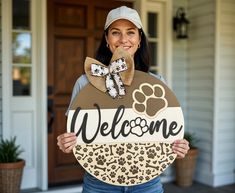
[(180, 24)]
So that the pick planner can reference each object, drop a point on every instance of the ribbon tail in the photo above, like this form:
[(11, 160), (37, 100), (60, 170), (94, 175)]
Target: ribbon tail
[(96, 81), (110, 85), (119, 83)]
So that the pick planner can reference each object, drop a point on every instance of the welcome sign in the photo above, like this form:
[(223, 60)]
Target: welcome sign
[(126, 140)]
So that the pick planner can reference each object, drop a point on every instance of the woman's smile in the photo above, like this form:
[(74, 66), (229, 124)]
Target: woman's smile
[(125, 34)]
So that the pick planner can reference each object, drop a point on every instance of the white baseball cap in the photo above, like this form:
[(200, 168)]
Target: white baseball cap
[(123, 12)]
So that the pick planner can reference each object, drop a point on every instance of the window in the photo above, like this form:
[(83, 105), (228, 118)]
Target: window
[(21, 48), (156, 18), (152, 31)]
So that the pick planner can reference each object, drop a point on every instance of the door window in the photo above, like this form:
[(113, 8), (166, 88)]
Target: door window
[(152, 30), (21, 48)]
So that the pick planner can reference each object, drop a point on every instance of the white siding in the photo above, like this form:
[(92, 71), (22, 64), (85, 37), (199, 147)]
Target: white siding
[(224, 142), (200, 82), (179, 63), (210, 88), (179, 82)]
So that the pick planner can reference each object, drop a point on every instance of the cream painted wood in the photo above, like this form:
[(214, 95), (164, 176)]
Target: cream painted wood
[(40, 26), (23, 116), (164, 53)]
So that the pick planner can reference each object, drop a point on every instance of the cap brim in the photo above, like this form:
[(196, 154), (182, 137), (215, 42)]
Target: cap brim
[(139, 26)]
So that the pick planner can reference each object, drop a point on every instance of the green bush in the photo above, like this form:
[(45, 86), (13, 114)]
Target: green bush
[(9, 151), (191, 138)]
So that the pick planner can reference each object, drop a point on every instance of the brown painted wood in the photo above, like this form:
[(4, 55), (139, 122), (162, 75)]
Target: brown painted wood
[(74, 28)]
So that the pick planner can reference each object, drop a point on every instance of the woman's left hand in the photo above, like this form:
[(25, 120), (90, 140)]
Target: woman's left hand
[(181, 147)]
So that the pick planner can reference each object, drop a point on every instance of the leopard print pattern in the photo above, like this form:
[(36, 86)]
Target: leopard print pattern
[(125, 163)]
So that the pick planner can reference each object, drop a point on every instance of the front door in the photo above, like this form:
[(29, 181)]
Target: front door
[(74, 28)]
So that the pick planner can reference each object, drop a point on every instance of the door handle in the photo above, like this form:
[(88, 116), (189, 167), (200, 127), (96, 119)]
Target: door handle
[(51, 115)]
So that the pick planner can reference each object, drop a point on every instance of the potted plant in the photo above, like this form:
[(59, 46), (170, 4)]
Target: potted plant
[(184, 168), (11, 166)]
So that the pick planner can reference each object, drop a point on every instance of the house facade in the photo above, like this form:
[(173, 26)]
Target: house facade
[(44, 44)]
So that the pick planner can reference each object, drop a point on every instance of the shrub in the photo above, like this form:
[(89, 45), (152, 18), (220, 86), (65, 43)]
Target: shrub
[(9, 151)]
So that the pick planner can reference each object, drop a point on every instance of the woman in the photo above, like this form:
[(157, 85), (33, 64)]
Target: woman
[(123, 28)]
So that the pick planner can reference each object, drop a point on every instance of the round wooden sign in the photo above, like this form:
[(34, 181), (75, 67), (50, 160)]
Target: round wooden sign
[(128, 140)]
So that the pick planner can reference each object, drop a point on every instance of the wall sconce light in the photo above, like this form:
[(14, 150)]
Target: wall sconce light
[(180, 24)]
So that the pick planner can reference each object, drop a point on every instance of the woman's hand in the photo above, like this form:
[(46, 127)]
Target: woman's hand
[(66, 142), (181, 147)]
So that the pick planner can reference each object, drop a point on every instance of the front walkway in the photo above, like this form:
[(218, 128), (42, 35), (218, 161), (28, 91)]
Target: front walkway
[(198, 188)]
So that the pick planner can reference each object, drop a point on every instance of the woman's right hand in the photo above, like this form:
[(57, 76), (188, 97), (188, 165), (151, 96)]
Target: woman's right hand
[(66, 142)]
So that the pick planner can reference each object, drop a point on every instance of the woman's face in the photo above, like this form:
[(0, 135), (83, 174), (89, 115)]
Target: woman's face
[(125, 34)]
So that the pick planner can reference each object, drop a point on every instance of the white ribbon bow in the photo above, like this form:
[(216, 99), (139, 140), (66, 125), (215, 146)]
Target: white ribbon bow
[(112, 77)]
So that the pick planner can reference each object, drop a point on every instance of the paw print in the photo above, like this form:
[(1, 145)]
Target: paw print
[(120, 151), (89, 160), (129, 146), (123, 169), (132, 181), (151, 153), (142, 152), (129, 157), (121, 179), (141, 178), (164, 166), (147, 178), (112, 174), (149, 99), (79, 157), (171, 157), (136, 148), (148, 172), (141, 158), (78, 147), (97, 173), (100, 160), (121, 161), (134, 169), (158, 148), (138, 126)]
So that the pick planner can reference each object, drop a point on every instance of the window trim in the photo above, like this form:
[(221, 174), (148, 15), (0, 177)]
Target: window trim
[(143, 6)]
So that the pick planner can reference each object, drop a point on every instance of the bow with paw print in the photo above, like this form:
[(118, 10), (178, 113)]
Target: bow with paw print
[(111, 78)]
